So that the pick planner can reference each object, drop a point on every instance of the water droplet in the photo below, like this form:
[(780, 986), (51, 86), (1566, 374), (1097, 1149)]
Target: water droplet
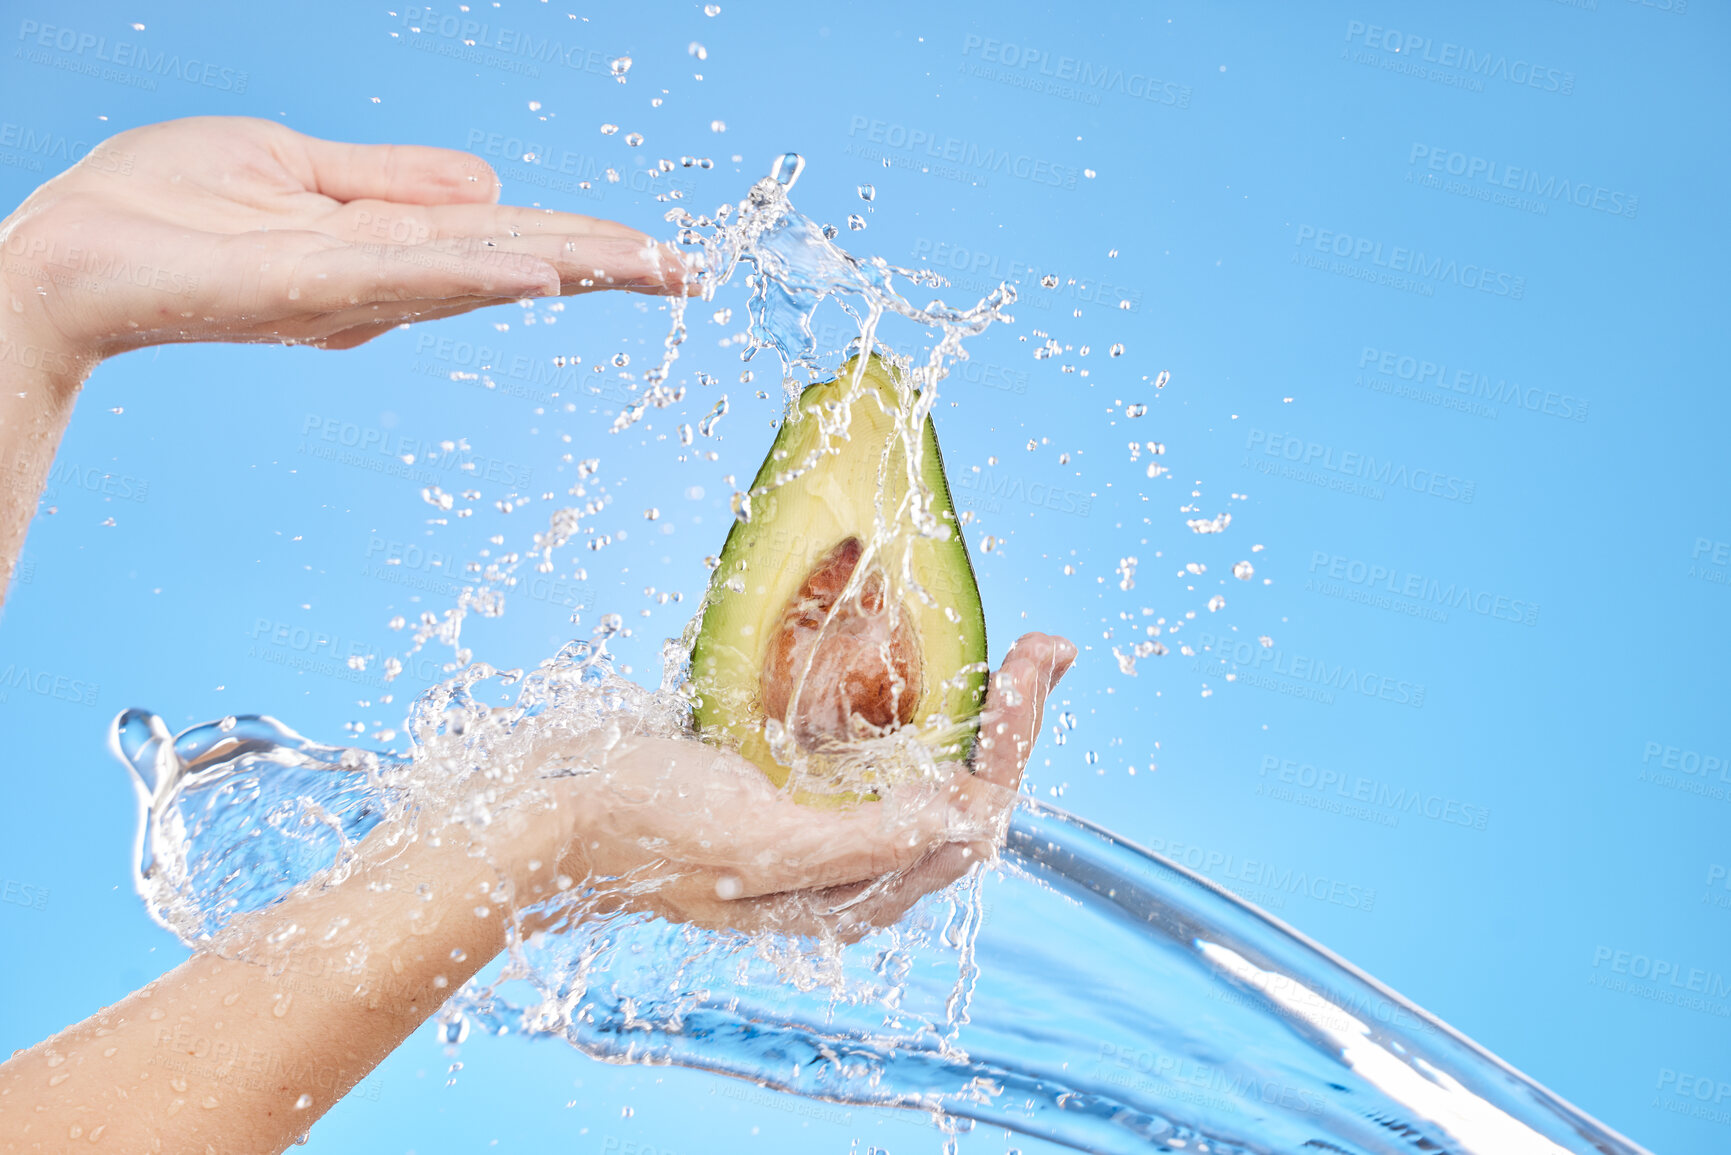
[(280, 1007), (58, 1078), (697, 50), (707, 425), (627, 1112), (609, 129), (723, 316), (988, 543), (1117, 350), (620, 360), (634, 139), (1216, 604), (686, 435), (651, 514), (855, 222), (1050, 280), (718, 126), (867, 192), (741, 505), (1243, 571), (211, 1103), (1160, 381), (1267, 642), (1136, 410), (787, 167), (620, 68), (712, 10), (56, 1060), (303, 1102), (1092, 757)]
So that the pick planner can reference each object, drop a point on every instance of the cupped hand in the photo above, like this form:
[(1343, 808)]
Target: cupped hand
[(701, 835), (236, 229)]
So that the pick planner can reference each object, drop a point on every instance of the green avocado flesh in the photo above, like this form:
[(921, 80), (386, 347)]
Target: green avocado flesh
[(833, 623)]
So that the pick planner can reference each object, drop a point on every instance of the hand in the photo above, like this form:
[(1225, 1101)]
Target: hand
[(700, 835), (234, 229)]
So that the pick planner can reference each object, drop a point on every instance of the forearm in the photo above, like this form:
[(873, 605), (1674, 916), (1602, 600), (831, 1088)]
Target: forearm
[(244, 1046), (40, 377)]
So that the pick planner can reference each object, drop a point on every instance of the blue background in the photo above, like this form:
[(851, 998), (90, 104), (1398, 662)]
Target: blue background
[(1201, 164)]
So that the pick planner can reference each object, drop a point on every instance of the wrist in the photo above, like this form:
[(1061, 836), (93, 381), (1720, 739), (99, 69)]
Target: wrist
[(33, 350)]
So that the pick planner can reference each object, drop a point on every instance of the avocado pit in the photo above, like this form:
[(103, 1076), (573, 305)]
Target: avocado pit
[(846, 663)]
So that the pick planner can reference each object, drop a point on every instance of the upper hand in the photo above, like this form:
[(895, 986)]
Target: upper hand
[(235, 229)]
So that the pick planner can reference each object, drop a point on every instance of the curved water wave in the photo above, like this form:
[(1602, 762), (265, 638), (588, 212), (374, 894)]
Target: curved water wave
[(1084, 990)]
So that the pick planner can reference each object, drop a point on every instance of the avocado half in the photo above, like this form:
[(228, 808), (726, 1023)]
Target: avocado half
[(842, 630)]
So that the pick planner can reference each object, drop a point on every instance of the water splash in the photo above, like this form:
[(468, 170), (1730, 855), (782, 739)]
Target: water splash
[(1079, 989), (1084, 991), (793, 267)]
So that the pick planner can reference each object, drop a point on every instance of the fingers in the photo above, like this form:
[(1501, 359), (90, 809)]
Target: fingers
[(404, 173), (313, 275), (1010, 723), (589, 253)]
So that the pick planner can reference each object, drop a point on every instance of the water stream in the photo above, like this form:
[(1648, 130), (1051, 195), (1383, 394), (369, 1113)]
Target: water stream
[(1082, 990)]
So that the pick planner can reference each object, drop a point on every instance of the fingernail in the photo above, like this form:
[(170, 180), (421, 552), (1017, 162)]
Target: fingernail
[(1063, 657)]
